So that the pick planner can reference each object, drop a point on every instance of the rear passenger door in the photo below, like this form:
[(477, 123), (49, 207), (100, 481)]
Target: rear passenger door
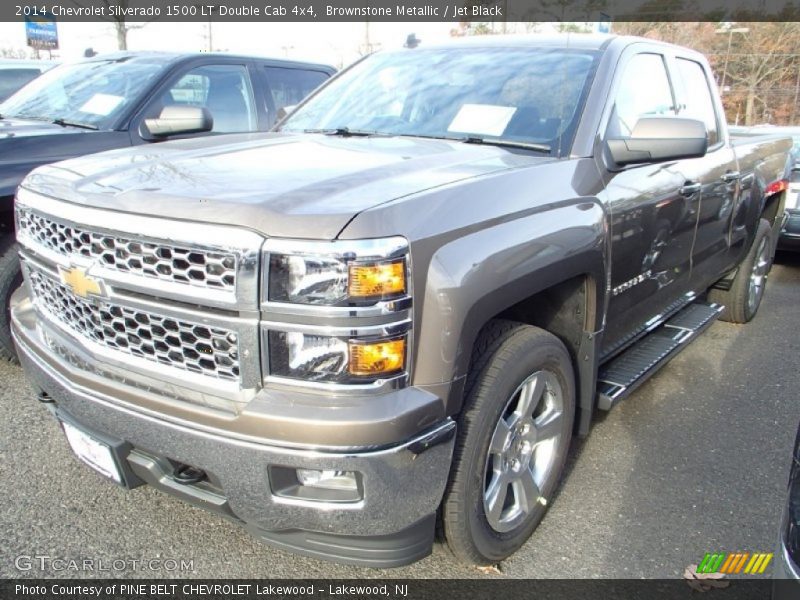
[(716, 172), (287, 86)]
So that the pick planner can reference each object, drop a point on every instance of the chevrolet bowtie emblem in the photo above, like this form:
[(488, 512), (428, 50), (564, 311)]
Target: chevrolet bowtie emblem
[(80, 283)]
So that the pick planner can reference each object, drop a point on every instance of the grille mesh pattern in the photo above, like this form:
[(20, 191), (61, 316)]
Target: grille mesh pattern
[(180, 344), (161, 261)]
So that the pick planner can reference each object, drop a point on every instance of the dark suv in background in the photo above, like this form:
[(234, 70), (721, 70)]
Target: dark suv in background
[(125, 99), (16, 72), (790, 233), (787, 565)]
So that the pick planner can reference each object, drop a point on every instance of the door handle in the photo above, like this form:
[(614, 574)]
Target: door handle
[(690, 189), (731, 176)]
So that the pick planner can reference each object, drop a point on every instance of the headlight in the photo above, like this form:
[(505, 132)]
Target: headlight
[(337, 312), (325, 359), (341, 273)]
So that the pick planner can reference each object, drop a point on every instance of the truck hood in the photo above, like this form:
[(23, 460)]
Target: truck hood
[(279, 184)]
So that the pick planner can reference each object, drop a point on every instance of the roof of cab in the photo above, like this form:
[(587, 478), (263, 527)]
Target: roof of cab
[(175, 57), (585, 41), (25, 63)]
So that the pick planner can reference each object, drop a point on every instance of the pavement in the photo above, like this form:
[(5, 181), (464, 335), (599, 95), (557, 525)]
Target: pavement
[(695, 461)]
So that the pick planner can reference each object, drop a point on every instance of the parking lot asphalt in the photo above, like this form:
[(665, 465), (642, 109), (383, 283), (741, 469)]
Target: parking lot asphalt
[(695, 461)]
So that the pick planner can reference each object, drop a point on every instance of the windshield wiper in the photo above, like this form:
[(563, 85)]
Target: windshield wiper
[(67, 123), (342, 131), (62, 122), (506, 143)]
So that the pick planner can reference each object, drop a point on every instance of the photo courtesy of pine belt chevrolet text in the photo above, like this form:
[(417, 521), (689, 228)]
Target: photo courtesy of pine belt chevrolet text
[(391, 314)]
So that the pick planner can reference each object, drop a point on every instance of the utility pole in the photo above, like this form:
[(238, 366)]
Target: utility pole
[(796, 95), (210, 36), (730, 31), (368, 47)]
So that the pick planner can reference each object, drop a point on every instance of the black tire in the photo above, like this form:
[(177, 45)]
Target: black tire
[(742, 300), (10, 280), (506, 355)]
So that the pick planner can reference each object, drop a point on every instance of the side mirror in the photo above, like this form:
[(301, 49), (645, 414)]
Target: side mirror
[(660, 138), (285, 111), (180, 119)]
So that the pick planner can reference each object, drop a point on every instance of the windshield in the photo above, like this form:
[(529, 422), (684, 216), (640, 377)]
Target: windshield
[(90, 93), (526, 95)]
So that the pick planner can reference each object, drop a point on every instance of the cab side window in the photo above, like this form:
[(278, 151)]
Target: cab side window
[(644, 90), (697, 102), (289, 86), (224, 90)]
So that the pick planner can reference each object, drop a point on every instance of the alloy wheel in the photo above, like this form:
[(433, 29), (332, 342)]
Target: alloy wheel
[(758, 276), (522, 451)]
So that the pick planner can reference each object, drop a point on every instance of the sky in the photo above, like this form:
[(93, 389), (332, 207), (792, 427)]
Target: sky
[(332, 43)]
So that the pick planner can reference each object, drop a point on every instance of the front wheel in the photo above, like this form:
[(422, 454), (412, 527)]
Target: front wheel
[(10, 280), (514, 435), (743, 298)]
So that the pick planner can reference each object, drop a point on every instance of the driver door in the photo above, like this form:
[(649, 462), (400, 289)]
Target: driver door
[(226, 90)]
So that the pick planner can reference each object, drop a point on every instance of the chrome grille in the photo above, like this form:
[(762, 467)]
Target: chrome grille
[(167, 262), (180, 344)]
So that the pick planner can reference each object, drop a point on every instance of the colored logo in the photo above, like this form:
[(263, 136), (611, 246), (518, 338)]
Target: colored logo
[(81, 284), (735, 562)]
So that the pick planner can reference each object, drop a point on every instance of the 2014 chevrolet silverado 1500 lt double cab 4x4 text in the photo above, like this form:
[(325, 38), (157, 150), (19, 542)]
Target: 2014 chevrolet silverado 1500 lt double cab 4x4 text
[(132, 98), (400, 305)]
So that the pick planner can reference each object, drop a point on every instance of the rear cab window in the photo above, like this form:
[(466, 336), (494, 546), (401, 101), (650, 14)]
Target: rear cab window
[(695, 100), (644, 90)]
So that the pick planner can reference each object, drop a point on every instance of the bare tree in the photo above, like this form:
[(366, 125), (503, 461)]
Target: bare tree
[(759, 61), (693, 35), (13, 53), (570, 27), (118, 20)]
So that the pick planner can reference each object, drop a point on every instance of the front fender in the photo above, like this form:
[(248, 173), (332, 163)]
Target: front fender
[(475, 277), (482, 245)]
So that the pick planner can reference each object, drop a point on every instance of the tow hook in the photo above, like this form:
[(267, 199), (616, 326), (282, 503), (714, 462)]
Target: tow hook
[(188, 475)]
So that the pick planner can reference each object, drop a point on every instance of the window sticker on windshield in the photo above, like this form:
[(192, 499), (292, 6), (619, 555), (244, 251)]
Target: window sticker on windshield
[(483, 119), (101, 104)]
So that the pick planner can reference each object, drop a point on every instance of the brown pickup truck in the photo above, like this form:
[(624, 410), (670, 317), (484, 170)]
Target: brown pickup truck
[(401, 305)]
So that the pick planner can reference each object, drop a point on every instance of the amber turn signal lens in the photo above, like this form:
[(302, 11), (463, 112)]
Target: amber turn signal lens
[(377, 358), (383, 279)]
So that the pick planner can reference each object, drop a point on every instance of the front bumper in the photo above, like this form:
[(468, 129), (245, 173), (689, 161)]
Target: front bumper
[(784, 567), (786, 576), (390, 525)]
